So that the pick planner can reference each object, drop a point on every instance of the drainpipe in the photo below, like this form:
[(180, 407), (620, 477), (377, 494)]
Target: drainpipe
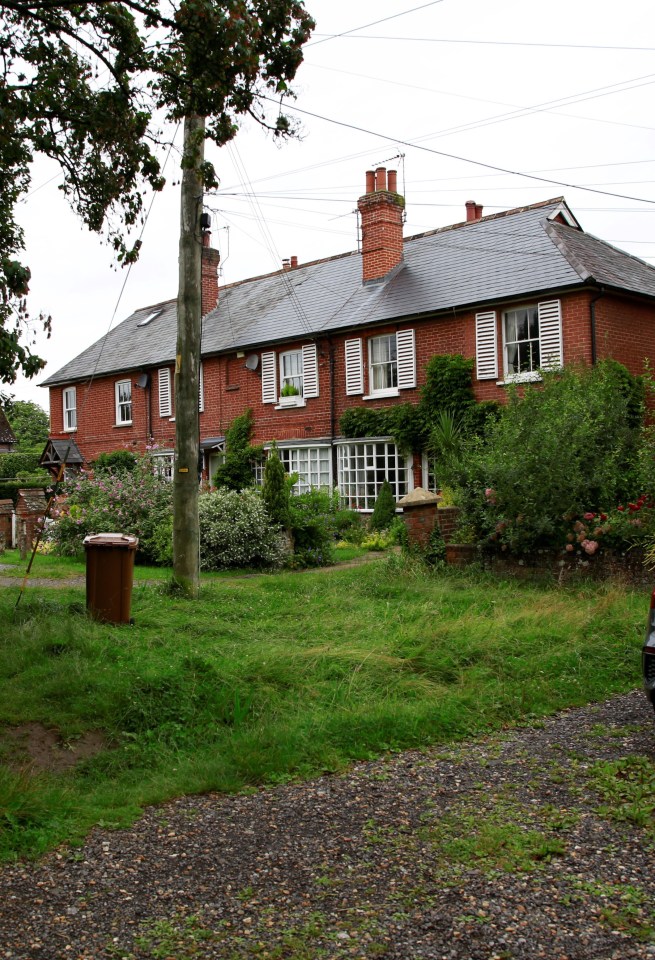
[(333, 449), (148, 413), (592, 315)]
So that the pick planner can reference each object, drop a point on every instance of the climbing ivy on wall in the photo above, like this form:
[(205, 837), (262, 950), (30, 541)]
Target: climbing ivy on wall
[(448, 386)]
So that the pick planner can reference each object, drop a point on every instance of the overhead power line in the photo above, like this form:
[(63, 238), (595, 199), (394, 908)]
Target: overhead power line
[(454, 156), (490, 43), (374, 23)]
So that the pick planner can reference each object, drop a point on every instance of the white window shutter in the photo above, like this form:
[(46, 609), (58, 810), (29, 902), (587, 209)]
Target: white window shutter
[(486, 347), (354, 368), (201, 389), (550, 335), (309, 371), (406, 353), (164, 380), (269, 378)]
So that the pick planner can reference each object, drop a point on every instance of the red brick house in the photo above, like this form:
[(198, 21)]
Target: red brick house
[(517, 291)]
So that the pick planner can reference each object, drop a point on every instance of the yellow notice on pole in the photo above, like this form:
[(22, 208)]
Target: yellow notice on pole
[(183, 470)]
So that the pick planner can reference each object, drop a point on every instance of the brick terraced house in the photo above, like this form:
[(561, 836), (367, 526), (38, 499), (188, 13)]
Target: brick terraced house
[(517, 291)]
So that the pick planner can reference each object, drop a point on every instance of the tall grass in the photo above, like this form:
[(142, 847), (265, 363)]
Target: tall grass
[(284, 676)]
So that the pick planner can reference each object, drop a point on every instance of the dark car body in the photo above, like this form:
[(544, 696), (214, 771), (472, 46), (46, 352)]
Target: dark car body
[(648, 654)]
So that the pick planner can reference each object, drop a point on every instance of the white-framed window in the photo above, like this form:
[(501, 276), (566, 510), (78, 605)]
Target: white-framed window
[(382, 364), (291, 371), (532, 339), (163, 461), (429, 476), (123, 390), (391, 364), (258, 470), (70, 408), (290, 377), (522, 353), (312, 464), (363, 466)]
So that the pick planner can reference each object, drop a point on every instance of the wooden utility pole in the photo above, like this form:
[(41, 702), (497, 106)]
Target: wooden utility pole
[(186, 526)]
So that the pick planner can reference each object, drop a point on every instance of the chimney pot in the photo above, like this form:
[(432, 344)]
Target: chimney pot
[(294, 262), (478, 211), (286, 264), (470, 210), (380, 179), (393, 181), (370, 181)]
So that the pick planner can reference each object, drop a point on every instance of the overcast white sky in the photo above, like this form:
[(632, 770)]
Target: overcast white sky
[(561, 91)]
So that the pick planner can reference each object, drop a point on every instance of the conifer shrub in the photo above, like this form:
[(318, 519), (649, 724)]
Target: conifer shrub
[(275, 490), (384, 510)]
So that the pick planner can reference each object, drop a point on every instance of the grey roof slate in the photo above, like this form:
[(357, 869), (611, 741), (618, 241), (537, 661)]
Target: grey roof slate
[(7, 435), (503, 256)]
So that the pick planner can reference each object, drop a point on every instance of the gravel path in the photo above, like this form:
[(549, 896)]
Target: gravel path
[(485, 850)]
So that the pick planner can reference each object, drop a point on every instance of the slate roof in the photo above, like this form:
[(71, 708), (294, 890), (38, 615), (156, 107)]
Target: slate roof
[(7, 435), (500, 257)]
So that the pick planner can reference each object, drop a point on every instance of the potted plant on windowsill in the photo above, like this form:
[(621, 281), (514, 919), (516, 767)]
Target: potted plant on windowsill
[(290, 396)]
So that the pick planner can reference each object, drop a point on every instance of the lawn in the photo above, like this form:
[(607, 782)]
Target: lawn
[(284, 676)]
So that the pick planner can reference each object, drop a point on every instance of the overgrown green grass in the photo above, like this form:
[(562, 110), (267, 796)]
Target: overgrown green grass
[(48, 566), (283, 676)]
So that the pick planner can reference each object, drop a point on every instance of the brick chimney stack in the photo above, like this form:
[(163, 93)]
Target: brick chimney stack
[(210, 261), (473, 210), (381, 209)]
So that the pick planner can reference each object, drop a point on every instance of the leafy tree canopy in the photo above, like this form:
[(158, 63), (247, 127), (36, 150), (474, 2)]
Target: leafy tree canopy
[(86, 84), (30, 424)]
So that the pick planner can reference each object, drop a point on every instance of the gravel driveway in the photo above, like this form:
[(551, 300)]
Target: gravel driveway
[(495, 848)]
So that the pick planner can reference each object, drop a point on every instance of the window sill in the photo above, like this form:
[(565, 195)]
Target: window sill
[(285, 403), (393, 392), (70, 429), (531, 377), (127, 423)]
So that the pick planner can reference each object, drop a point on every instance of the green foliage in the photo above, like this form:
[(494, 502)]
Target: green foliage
[(136, 501), (384, 509), (236, 531), (236, 473), (289, 390), (116, 460), (30, 423), (87, 85), (275, 490), (35, 481), (312, 517), (349, 526), (11, 464), (558, 450), (447, 385)]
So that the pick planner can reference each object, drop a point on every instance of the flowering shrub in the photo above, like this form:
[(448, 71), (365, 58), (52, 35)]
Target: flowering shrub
[(136, 501), (622, 527), (236, 531)]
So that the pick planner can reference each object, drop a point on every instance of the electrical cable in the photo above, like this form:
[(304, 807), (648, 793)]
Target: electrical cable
[(454, 156)]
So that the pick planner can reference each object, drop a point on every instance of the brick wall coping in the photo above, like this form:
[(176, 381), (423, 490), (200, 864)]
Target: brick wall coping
[(418, 498)]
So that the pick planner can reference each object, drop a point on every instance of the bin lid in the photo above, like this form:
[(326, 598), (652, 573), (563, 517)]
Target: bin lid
[(112, 540)]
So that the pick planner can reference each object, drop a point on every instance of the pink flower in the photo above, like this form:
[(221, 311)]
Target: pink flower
[(569, 547), (490, 494), (589, 516), (621, 509), (589, 546)]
